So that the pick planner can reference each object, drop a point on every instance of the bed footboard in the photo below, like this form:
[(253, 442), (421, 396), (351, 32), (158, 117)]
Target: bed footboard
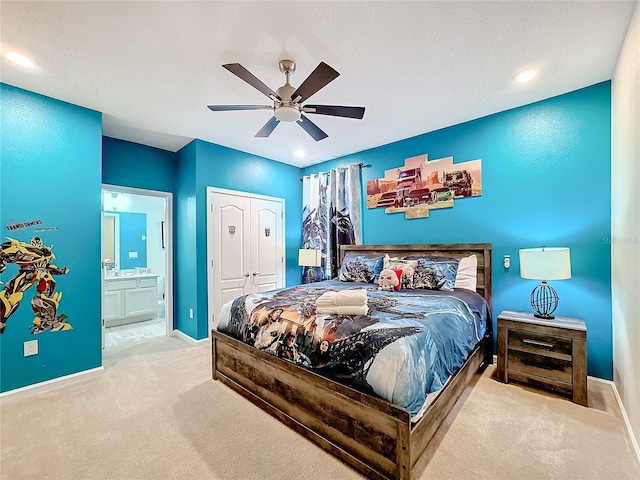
[(368, 433), (372, 435)]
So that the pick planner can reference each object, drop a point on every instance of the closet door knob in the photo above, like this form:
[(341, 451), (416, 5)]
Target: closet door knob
[(256, 273), (246, 274)]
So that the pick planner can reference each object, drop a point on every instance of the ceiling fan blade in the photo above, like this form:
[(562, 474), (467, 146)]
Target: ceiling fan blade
[(311, 128), (320, 77), (268, 128), (335, 110), (251, 79), (225, 108)]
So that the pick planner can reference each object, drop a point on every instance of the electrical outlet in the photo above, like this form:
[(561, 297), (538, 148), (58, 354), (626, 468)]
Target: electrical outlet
[(507, 261), (30, 348), (191, 313)]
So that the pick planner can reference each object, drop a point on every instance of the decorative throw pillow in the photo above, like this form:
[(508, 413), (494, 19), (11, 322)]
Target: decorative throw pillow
[(360, 267), (466, 276), (399, 273), (388, 280), (434, 273), (406, 266)]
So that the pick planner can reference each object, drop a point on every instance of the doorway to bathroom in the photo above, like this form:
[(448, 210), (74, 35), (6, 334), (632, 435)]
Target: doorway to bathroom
[(137, 259)]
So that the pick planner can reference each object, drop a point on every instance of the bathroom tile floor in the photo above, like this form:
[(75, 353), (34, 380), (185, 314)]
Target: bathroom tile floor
[(134, 332)]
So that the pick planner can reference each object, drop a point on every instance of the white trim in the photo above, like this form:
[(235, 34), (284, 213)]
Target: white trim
[(189, 339), (168, 260), (627, 424), (239, 193), (49, 385), (102, 272)]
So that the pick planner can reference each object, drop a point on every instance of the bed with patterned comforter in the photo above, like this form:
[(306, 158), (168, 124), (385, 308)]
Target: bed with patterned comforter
[(404, 350)]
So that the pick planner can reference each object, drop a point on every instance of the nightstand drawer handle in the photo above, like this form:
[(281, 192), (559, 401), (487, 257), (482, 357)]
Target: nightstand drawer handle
[(537, 343)]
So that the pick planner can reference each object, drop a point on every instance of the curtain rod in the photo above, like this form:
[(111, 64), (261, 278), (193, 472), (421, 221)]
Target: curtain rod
[(361, 165)]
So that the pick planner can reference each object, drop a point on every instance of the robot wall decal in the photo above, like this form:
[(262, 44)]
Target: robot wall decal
[(34, 268)]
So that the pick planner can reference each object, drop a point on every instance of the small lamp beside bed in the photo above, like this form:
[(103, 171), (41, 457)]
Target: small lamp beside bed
[(308, 257), (545, 263)]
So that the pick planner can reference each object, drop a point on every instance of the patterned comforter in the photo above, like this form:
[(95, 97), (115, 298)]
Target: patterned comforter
[(404, 350)]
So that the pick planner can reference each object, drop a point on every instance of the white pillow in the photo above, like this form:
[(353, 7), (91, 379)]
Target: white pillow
[(467, 273)]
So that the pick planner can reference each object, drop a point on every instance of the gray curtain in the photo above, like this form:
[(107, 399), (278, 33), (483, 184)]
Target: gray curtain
[(330, 217)]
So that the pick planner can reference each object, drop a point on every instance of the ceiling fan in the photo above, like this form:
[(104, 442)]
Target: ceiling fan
[(287, 100)]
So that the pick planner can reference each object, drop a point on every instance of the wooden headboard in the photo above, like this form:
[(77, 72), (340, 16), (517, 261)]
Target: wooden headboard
[(458, 250)]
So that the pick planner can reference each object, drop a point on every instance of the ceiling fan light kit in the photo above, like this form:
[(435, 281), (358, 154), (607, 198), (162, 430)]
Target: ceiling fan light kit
[(286, 113), (287, 100)]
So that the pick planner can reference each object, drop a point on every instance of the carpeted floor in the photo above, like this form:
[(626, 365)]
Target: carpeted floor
[(156, 414)]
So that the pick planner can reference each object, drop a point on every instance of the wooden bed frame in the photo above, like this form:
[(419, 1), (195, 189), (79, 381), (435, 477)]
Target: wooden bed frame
[(372, 435)]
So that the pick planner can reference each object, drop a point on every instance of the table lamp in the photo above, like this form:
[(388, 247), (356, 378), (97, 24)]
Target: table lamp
[(545, 263), (309, 258)]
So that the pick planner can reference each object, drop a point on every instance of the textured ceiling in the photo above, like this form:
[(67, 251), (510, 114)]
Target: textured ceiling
[(152, 67)]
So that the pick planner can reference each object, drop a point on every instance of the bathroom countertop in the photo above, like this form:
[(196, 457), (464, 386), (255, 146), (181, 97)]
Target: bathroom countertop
[(130, 276)]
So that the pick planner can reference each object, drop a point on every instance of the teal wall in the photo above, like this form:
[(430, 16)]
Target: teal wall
[(234, 170), (546, 174), (129, 164), (187, 173), (185, 265), (133, 228), (201, 165), (50, 156), (546, 180)]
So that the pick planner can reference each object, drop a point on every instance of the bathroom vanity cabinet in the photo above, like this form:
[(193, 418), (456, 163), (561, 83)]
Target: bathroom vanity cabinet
[(129, 298)]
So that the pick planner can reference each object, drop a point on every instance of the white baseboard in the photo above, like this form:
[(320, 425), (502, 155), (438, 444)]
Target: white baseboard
[(49, 385), (627, 424), (190, 340), (59, 382)]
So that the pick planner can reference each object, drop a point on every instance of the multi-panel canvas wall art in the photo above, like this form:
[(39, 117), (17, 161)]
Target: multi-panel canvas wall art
[(421, 185)]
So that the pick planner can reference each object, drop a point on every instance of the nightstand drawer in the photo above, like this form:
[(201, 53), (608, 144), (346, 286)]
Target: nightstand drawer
[(547, 345), (540, 366)]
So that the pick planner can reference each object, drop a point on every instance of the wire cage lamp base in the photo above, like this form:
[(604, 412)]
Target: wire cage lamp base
[(544, 301)]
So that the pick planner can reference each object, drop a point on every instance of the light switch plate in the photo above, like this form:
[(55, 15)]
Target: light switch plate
[(30, 348)]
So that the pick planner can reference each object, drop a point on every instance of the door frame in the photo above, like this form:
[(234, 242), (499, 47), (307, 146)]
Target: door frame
[(168, 246), (210, 255)]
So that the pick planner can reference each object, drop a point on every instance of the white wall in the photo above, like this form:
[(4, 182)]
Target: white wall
[(154, 208), (625, 223)]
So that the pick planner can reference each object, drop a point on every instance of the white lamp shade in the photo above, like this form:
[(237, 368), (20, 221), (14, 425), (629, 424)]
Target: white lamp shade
[(309, 258), (545, 263)]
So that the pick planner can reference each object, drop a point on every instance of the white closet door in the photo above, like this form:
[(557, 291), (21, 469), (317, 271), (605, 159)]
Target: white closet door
[(231, 246), (267, 256), (245, 246)]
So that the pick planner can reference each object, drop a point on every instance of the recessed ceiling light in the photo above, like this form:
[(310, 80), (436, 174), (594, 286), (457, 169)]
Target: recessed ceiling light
[(20, 60), (300, 153), (524, 76)]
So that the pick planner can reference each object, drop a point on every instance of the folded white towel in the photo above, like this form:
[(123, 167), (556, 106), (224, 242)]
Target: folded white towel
[(356, 297), (344, 310)]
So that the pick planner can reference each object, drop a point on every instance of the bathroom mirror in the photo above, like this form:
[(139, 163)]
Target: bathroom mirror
[(124, 245)]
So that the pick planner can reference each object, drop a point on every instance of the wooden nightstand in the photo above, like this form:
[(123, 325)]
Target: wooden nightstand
[(551, 354)]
